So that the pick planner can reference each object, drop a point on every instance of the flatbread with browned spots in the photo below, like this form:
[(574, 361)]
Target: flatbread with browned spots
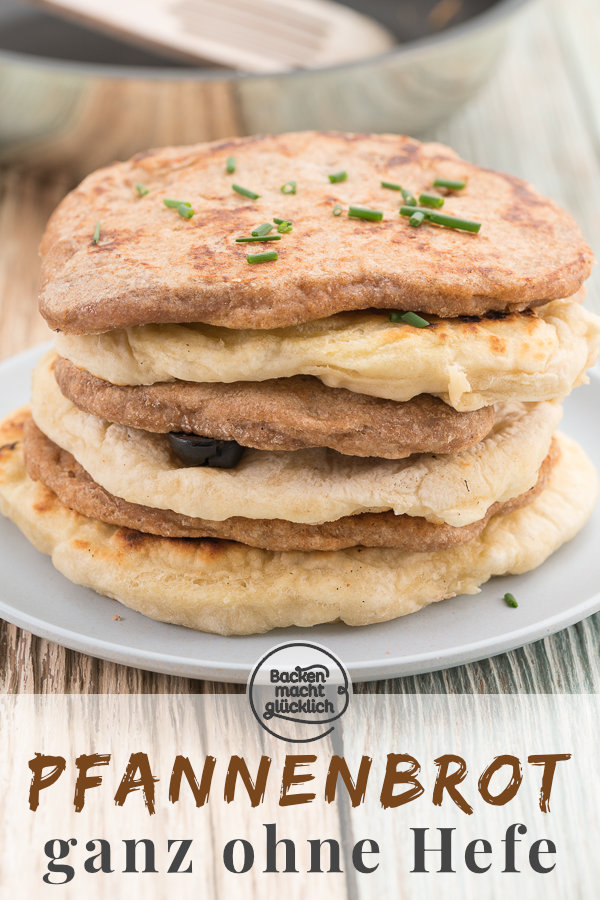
[(539, 355), (150, 265)]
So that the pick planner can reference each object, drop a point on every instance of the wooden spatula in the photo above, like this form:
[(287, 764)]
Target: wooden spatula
[(249, 35)]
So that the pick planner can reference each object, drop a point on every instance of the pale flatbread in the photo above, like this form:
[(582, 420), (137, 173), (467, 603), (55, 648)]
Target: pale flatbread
[(531, 356), (227, 588), (60, 472), (309, 486)]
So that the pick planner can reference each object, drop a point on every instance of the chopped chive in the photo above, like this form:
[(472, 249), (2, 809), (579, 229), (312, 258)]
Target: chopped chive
[(284, 227), (96, 235), (142, 190), (453, 222), (338, 210), (510, 601), (363, 212), (443, 219), (336, 177), (410, 318), (265, 228), (175, 204), (416, 219), (408, 198), (282, 221), (268, 256), (263, 237), (230, 165), (182, 206), (431, 200), (289, 187), (449, 184), (391, 186), (244, 192)]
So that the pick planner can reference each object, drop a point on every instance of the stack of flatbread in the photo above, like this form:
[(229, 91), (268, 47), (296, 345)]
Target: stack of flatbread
[(356, 425)]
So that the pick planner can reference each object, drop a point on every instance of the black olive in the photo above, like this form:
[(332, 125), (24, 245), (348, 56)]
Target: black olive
[(194, 450)]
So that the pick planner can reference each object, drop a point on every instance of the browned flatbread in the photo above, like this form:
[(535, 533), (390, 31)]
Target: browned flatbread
[(59, 471), (150, 265), (281, 414)]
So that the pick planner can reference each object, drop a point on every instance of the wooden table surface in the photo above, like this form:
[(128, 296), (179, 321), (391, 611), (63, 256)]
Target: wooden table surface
[(539, 118)]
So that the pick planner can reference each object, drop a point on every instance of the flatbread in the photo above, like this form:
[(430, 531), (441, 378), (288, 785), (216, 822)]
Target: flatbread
[(306, 486), (60, 472), (530, 356), (226, 588), (151, 265), (281, 414)]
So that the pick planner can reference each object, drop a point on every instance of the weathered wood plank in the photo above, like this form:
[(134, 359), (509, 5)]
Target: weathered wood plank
[(535, 119)]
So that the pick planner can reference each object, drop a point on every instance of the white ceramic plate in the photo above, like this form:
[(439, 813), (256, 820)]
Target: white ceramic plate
[(564, 590)]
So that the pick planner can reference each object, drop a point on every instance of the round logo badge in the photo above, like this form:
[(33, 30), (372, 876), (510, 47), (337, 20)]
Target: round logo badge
[(297, 691)]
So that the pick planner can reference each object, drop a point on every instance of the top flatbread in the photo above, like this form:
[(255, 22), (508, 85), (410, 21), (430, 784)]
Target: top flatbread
[(152, 266)]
